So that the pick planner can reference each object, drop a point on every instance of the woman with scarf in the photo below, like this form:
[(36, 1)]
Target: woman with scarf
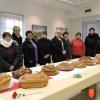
[(10, 56)]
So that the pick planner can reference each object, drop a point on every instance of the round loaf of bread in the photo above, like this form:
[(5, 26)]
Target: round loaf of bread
[(97, 56), (65, 67), (49, 70), (78, 64), (88, 61)]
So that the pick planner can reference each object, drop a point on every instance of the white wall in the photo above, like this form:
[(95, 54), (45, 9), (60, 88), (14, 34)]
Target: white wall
[(78, 17), (76, 24), (35, 14)]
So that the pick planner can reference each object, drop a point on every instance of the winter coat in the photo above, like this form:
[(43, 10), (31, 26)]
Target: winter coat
[(18, 39), (29, 53), (10, 56), (57, 50), (68, 49), (98, 46), (91, 44), (44, 48)]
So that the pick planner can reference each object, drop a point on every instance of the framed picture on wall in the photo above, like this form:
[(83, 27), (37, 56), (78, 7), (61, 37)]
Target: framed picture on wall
[(39, 28), (37, 31), (60, 29)]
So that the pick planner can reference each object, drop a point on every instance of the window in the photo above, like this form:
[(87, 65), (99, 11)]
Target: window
[(7, 21)]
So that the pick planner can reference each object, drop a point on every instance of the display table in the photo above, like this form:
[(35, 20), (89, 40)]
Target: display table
[(60, 88)]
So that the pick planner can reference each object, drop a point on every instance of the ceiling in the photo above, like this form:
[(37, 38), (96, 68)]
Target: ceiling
[(67, 4), (75, 2)]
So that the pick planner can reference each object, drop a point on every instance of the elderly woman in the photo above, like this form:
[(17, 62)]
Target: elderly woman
[(39, 35), (29, 48), (44, 49), (16, 35), (10, 56), (58, 48)]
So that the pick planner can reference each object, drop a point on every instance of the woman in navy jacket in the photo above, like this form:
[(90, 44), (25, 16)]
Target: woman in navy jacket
[(29, 48), (44, 49)]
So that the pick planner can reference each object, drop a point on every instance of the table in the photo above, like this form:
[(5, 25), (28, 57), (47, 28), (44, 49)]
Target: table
[(59, 89)]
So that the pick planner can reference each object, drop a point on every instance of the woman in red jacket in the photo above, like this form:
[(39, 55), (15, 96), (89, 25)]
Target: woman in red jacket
[(78, 46)]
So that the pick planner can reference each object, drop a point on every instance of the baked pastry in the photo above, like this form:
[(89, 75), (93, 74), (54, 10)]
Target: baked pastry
[(78, 64), (20, 72), (36, 80), (97, 59), (49, 70), (97, 56), (65, 67), (88, 61), (4, 81)]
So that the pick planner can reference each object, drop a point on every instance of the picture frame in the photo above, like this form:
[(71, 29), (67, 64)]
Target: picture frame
[(61, 29)]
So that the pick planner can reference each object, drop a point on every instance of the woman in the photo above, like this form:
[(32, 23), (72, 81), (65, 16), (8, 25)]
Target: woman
[(78, 46), (68, 45), (58, 48), (10, 56), (44, 49), (91, 42), (29, 48), (39, 35), (16, 35)]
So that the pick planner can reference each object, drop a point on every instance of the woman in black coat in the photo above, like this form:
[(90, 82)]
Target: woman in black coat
[(29, 48), (91, 43), (10, 56), (68, 45), (44, 49), (58, 48)]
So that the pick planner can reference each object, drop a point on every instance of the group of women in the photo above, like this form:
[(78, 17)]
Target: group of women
[(42, 50)]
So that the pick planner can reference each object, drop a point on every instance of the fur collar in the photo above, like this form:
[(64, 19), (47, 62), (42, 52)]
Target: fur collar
[(5, 43)]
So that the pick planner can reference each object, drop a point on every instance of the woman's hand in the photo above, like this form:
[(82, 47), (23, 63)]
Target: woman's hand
[(64, 52), (46, 56)]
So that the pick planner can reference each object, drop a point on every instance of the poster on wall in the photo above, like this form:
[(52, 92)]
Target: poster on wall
[(91, 25), (60, 29), (87, 25)]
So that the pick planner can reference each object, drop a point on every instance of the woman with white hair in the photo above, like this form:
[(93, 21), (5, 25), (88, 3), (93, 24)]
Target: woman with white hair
[(16, 35)]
